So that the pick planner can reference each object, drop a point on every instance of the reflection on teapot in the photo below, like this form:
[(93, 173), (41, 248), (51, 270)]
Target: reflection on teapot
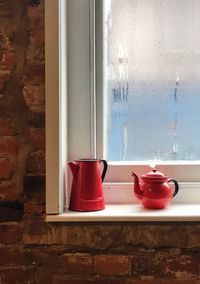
[(154, 191)]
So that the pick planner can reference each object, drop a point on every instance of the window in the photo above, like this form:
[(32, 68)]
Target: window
[(151, 72), (150, 87), (82, 101)]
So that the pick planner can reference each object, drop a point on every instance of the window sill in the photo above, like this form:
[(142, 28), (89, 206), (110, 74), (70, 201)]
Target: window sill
[(131, 212)]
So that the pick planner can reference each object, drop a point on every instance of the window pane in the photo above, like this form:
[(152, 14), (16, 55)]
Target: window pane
[(151, 80)]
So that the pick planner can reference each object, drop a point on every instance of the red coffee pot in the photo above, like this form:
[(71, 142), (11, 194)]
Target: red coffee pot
[(154, 191), (86, 191)]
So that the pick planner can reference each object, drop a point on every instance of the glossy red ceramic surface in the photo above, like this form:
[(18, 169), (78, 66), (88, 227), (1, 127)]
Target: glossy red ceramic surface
[(154, 190)]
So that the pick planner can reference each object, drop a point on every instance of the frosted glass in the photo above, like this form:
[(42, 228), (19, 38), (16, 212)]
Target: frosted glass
[(151, 80)]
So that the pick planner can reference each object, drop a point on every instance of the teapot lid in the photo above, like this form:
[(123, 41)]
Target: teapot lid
[(154, 174)]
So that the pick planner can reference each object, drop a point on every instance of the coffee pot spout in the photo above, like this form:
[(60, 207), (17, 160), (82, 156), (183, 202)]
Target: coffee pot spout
[(74, 167), (137, 191)]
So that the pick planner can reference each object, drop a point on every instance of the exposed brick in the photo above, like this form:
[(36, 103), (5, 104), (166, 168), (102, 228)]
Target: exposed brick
[(37, 138), (30, 208), (118, 264), (157, 235), (78, 263), (182, 266), (8, 191), (86, 236), (35, 14), (36, 163), (5, 36), (36, 49), (10, 233), (22, 275), (150, 262), (6, 168), (36, 22), (8, 146), (61, 279), (8, 60), (3, 79), (34, 2), (18, 256), (11, 211), (160, 281), (6, 129), (36, 120), (35, 225), (34, 188), (34, 73), (44, 274), (34, 97)]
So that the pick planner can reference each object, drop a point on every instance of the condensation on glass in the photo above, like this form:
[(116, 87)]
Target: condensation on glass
[(151, 80)]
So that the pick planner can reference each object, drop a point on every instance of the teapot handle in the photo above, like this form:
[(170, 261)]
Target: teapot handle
[(175, 184), (105, 167)]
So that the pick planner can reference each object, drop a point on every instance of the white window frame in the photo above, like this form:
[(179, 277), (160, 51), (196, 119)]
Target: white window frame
[(63, 88), (61, 25), (55, 105)]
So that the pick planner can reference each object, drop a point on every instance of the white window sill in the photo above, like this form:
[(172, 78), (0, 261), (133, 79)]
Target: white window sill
[(131, 212)]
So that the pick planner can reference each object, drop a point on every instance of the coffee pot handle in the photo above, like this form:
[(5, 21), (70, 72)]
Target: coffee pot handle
[(105, 167), (175, 184)]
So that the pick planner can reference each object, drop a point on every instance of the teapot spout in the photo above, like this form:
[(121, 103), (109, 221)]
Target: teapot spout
[(74, 167), (137, 191)]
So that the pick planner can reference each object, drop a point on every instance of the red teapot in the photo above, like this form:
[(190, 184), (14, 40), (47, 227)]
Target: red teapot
[(154, 191)]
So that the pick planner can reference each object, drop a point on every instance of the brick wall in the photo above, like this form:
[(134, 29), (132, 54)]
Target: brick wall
[(32, 251)]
